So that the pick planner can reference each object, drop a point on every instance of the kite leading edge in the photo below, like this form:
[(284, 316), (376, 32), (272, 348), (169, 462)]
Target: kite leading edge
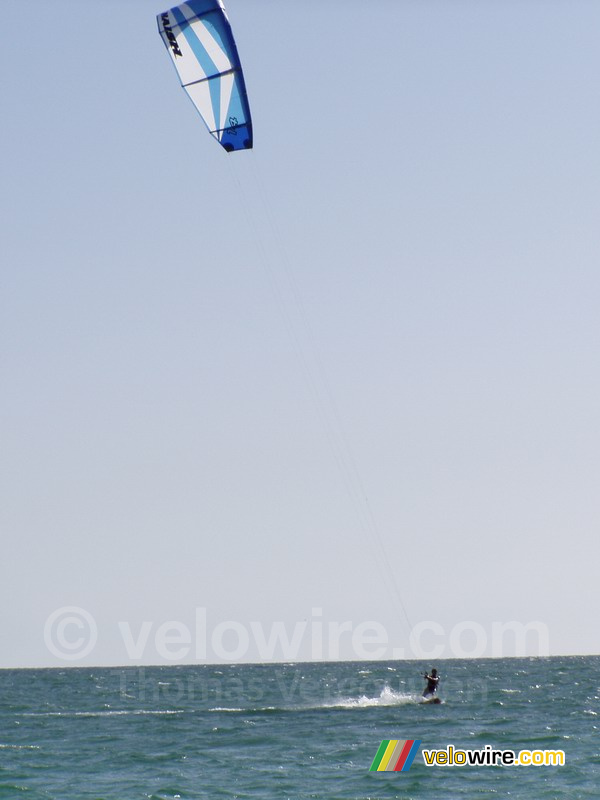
[(198, 36)]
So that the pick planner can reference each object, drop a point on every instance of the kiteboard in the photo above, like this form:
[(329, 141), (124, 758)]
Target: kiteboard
[(430, 700)]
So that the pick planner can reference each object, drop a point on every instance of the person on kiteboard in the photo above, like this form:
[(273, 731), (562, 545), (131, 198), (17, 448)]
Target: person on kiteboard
[(432, 683)]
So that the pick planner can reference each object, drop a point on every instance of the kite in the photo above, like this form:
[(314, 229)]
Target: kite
[(198, 36)]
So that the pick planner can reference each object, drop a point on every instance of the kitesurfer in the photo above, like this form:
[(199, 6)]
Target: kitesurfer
[(432, 683)]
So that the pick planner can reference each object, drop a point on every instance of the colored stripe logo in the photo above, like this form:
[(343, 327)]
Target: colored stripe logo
[(395, 755)]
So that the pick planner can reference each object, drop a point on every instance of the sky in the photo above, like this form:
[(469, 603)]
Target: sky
[(343, 387)]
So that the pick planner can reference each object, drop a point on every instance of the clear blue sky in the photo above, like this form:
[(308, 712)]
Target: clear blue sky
[(209, 361)]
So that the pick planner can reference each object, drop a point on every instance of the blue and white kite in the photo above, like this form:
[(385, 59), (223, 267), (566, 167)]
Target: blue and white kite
[(198, 36)]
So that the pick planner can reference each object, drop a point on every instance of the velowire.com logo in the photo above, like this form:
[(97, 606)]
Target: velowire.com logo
[(395, 755)]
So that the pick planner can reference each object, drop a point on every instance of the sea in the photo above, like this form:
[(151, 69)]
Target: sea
[(277, 731)]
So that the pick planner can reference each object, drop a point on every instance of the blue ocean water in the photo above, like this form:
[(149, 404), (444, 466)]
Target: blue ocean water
[(295, 730)]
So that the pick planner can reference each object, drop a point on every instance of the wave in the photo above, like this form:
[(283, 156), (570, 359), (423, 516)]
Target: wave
[(19, 747), (133, 712), (387, 697)]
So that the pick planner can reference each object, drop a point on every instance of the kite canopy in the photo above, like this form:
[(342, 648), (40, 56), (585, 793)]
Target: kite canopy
[(198, 36)]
